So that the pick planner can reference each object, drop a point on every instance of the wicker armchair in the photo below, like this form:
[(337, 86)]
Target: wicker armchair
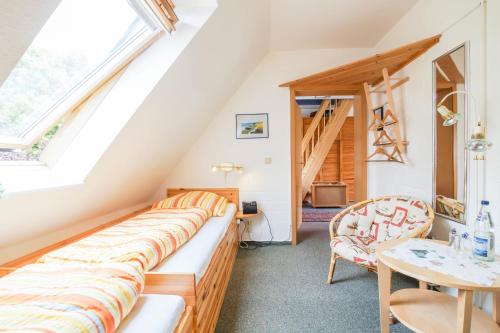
[(357, 230)]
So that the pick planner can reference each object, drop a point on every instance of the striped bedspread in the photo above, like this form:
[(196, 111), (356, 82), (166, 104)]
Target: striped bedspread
[(146, 239), (71, 298)]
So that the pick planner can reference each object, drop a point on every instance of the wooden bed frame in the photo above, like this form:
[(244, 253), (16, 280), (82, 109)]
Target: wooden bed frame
[(207, 296), (203, 300), (186, 323)]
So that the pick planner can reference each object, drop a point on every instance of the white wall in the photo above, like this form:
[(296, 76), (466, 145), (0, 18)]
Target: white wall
[(492, 175), (268, 184), (416, 98), (194, 88)]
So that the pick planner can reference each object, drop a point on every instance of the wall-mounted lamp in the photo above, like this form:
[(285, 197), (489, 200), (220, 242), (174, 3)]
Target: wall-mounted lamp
[(478, 141), (450, 118), (227, 167)]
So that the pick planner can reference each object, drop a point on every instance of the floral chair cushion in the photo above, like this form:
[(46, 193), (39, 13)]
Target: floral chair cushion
[(358, 222), (359, 232), (360, 250)]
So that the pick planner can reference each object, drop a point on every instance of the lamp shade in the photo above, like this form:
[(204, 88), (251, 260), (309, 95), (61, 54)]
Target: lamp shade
[(478, 142), (450, 118)]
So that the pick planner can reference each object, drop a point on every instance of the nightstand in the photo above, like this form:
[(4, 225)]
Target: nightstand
[(244, 219), (241, 216)]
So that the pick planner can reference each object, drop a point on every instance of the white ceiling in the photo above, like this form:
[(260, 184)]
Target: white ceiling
[(20, 22), (318, 24)]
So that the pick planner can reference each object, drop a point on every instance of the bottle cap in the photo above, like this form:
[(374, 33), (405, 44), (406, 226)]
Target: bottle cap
[(485, 202)]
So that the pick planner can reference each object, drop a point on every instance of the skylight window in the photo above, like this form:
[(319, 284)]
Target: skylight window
[(81, 42)]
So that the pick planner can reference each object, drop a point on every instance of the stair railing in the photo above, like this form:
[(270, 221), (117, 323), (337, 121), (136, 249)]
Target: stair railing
[(314, 132)]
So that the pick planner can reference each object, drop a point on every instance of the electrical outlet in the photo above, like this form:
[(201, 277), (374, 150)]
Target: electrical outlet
[(268, 160)]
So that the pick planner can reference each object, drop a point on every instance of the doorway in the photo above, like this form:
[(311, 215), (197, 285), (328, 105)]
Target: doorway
[(340, 178), (348, 79), (332, 187)]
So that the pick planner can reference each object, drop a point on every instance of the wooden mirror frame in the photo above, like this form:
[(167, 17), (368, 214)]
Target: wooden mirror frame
[(465, 119)]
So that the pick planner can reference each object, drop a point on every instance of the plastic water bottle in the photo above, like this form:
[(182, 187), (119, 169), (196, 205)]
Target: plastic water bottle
[(483, 243)]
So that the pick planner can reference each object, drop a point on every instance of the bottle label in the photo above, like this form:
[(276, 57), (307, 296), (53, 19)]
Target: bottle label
[(481, 246)]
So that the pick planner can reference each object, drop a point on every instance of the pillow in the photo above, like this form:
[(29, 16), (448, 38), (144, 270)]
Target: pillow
[(384, 213), (366, 217), (345, 227), (215, 204)]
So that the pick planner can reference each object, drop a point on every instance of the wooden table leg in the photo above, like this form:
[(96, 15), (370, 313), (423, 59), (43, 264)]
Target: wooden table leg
[(496, 307), (384, 293), (464, 311)]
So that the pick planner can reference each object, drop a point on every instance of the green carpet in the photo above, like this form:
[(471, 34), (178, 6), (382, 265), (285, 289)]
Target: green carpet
[(283, 289)]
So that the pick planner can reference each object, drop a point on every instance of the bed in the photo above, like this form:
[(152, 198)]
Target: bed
[(195, 255), (200, 278), (209, 267), (159, 314)]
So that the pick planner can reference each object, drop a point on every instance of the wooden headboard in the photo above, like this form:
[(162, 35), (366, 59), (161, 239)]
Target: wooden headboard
[(231, 194)]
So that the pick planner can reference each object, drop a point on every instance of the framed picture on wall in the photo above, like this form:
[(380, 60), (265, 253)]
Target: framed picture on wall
[(252, 126)]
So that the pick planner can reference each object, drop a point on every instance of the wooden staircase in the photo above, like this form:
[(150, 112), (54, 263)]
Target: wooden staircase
[(320, 136)]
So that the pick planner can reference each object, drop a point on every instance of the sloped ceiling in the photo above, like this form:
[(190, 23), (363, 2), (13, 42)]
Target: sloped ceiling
[(192, 91), (318, 24), (190, 94), (20, 22)]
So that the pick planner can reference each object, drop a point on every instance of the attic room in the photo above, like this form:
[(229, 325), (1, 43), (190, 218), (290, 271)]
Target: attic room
[(249, 166)]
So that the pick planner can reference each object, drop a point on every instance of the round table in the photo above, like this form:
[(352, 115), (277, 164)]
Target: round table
[(430, 311)]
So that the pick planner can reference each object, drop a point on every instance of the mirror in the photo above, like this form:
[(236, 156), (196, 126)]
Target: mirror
[(450, 127)]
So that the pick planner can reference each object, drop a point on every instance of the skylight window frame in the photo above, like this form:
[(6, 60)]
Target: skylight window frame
[(85, 88)]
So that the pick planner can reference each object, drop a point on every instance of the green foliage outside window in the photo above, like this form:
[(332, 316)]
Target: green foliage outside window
[(32, 87)]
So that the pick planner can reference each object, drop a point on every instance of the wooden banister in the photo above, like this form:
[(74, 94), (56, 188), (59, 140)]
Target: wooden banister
[(321, 147), (309, 135)]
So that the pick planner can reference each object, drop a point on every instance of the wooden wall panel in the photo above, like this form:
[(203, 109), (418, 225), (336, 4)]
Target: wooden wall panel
[(339, 163)]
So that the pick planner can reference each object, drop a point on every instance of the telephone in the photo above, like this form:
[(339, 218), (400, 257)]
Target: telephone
[(249, 207)]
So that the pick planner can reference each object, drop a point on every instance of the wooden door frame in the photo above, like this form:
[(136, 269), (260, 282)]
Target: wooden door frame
[(360, 145)]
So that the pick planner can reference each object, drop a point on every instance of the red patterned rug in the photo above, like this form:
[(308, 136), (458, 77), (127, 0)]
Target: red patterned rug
[(310, 214)]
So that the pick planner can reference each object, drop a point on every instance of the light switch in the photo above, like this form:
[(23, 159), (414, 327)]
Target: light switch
[(268, 160)]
